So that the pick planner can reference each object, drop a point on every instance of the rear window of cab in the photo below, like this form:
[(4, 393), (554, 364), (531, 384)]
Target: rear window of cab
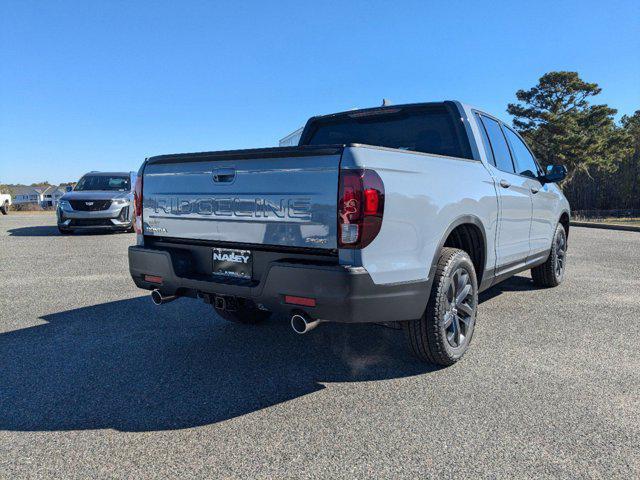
[(429, 129)]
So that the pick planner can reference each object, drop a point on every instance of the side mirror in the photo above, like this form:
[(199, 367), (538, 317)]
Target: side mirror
[(555, 174)]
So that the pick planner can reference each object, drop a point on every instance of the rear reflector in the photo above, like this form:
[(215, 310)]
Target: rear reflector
[(153, 279), (304, 301)]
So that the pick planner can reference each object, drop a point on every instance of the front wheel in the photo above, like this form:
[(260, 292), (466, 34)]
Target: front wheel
[(443, 333), (551, 272), (5, 208)]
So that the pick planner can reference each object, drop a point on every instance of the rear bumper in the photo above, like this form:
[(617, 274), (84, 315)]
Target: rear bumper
[(342, 293)]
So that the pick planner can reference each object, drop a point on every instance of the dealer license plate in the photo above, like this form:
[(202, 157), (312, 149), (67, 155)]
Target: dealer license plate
[(232, 263)]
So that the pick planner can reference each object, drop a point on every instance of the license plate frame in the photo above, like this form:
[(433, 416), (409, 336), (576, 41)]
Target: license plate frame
[(232, 262)]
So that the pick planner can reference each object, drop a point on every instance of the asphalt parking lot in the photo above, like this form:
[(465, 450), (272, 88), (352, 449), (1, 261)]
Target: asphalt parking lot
[(97, 382)]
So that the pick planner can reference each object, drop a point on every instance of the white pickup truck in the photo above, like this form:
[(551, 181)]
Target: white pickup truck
[(394, 214), (5, 203)]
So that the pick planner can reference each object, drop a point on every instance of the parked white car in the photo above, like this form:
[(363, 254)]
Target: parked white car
[(5, 202)]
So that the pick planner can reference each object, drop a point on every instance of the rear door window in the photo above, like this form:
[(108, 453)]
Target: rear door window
[(499, 147), (525, 162)]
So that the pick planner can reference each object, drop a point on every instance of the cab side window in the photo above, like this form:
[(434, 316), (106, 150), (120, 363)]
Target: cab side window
[(499, 147), (525, 163)]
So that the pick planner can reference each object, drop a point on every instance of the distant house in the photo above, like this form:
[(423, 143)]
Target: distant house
[(43, 196), (51, 196), (24, 195)]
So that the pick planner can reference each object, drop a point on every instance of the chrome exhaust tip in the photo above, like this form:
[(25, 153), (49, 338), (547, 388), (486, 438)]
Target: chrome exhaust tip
[(302, 324), (158, 299)]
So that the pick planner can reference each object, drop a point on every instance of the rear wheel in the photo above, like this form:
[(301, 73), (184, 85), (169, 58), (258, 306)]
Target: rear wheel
[(443, 333), (551, 272)]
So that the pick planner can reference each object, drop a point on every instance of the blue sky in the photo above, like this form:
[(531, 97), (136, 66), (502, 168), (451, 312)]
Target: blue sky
[(101, 85)]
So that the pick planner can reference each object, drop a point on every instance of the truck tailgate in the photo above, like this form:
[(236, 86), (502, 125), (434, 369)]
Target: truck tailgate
[(277, 196)]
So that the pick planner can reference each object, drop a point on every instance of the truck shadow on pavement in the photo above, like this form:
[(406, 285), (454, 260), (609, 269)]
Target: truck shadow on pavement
[(131, 366)]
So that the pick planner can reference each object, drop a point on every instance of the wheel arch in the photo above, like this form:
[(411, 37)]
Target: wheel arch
[(466, 232), (565, 220)]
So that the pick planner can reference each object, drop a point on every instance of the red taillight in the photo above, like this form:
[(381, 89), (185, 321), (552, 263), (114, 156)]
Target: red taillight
[(137, 205), (371, 201), (153, 279), (360, 208)]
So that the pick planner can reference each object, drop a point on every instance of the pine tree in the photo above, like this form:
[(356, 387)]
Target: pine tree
[(562, 127)]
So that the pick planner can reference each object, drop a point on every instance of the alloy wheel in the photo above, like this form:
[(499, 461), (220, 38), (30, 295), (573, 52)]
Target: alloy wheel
[(561, 252), (459, 309)]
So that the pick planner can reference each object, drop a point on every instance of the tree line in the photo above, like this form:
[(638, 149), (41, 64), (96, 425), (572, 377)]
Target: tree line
[(563, 126)]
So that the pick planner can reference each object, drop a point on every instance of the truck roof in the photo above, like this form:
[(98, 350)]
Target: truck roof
[(108, 174), (387, 108)]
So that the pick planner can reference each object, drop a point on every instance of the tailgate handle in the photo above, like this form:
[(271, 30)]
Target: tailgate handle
[(224, 175)]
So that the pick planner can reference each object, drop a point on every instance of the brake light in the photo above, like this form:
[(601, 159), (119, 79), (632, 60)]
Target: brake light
[(137, 206), (360, 208)]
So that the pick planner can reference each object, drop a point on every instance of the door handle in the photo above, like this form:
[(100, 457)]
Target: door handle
[(224, 175), (534, 190), (504, 184)]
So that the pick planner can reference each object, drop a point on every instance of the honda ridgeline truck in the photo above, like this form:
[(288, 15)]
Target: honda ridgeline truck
[(394, 214)]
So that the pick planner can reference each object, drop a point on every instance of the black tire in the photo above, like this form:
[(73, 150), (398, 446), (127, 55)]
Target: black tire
[(246, 313), (433, 337), (64, 231), (5, 208), (551, 272)]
